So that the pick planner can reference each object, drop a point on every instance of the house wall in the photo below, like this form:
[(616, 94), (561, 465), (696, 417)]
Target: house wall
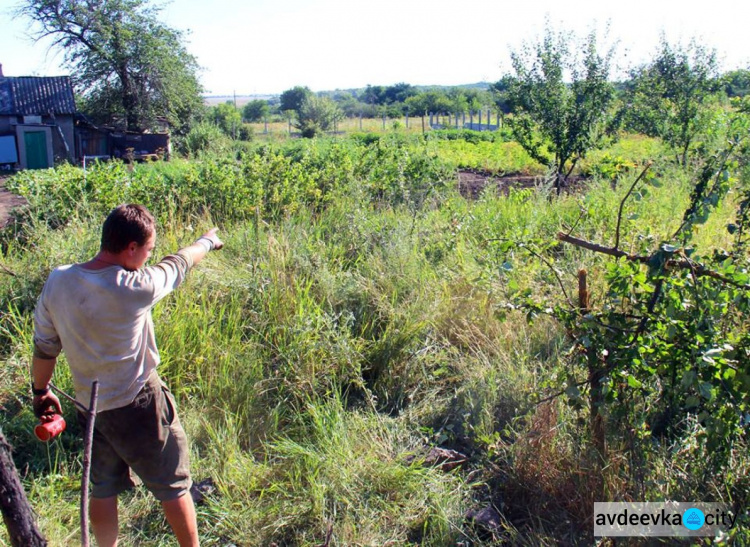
[(56, 141), (8, 127), (5, 127), (58, 146)]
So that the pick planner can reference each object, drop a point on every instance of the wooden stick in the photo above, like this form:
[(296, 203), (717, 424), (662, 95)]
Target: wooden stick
[(68, 397), (611, 251), (88, 441), (583, 292), (5, 269)]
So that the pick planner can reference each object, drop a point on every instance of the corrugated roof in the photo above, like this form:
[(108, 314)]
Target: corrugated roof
[(35, 96)]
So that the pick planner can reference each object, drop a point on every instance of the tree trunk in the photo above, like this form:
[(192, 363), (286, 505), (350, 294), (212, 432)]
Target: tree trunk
[(129, 101), (15, 506), (596, 396)]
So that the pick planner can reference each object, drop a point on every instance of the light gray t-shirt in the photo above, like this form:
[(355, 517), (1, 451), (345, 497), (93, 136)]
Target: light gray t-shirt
[(102, 320)]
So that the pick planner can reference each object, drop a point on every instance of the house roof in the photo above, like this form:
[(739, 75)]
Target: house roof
[(36, 96)]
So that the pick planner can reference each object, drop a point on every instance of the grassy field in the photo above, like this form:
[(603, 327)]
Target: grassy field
[(362, 314)]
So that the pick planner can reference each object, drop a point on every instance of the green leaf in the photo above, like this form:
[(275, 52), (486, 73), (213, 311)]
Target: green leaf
[(573, 392), (688, 378), (634, 382), (729, 374), (706, 390)]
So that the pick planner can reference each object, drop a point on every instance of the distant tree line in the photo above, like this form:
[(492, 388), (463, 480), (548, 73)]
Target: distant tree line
[(392, 101), (559, 91)]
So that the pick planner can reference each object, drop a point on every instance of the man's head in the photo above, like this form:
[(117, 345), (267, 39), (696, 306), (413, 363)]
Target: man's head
[(129, 231)]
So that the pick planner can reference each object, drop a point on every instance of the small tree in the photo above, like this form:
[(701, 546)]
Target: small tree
[(736, 83), (292, 99), (555, 120), (256, 110), (204, 138), (499, 91), (429, 101), (125, 61), (227, 117), (316, 115), (668, 98)]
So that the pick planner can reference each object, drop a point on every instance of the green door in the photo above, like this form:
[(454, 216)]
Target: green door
[(36, 149)]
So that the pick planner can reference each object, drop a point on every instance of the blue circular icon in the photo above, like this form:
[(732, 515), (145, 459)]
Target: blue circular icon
[(693, 519)]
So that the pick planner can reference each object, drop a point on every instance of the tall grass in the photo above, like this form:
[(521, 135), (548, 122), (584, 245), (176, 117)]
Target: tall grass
[(357, 317)]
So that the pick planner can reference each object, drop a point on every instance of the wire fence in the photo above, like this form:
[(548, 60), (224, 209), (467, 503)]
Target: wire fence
[(486, 120)]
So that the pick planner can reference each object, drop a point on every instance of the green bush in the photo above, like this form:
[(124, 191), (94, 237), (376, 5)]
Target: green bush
[(204, 138)]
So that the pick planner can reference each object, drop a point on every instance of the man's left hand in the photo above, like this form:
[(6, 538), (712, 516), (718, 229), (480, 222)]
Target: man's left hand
[(45, 406)]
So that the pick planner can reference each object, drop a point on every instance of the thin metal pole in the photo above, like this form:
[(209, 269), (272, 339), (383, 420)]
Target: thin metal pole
[(88, 440)]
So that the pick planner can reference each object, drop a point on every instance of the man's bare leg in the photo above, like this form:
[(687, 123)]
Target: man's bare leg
[(181, 517), (103, 515)]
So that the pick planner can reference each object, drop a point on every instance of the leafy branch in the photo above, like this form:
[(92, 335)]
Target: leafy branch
[(685, 263)]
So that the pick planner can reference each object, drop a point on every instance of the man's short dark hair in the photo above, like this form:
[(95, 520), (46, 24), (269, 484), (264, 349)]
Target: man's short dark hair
[(125, 224)]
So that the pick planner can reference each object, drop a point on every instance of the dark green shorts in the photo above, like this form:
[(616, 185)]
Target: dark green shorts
[(145, 437)]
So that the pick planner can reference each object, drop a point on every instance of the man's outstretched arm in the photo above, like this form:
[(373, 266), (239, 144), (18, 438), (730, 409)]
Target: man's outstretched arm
[(205, 243)]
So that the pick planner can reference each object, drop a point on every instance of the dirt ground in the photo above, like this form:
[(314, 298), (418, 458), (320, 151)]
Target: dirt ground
[(471, 183), (8, 202)]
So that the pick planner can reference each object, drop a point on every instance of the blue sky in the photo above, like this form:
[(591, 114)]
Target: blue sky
[(267, 46)]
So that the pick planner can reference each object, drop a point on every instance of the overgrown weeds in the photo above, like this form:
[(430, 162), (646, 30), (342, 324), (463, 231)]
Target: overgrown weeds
[(359, 315)]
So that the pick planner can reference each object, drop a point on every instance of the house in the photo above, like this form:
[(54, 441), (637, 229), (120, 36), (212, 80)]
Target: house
[(36, 120)]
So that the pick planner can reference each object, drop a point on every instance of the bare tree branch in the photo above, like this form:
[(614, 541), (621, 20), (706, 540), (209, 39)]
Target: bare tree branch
[(622, 204)]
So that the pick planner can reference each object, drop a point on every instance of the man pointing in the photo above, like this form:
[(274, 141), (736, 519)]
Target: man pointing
[(99, 314)]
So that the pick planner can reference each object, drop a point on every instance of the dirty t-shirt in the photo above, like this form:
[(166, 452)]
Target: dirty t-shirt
[(102, 320)]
